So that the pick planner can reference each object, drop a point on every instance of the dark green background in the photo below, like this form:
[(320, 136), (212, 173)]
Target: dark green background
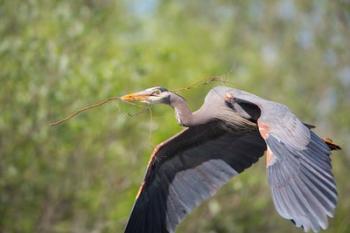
[(82, 176)]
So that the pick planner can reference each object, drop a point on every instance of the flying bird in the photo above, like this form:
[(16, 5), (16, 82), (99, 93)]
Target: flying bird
[(225, 136)]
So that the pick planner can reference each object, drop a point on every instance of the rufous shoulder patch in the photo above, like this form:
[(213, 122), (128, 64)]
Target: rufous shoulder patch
[(264, 129), (228, 97)]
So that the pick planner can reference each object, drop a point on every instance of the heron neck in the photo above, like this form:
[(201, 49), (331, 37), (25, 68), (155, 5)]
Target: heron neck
[(183, 113)]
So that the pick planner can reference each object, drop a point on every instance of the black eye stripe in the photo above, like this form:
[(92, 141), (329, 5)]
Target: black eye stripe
[(162, 89), (158, 91)]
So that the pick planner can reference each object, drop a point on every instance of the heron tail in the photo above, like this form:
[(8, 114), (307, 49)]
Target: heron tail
[(331, 144)]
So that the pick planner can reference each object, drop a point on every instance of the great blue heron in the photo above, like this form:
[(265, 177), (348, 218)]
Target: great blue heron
[(229, 133)]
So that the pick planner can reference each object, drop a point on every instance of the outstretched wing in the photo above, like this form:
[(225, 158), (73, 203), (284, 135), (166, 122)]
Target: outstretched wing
[(298, 164), (187, 169)]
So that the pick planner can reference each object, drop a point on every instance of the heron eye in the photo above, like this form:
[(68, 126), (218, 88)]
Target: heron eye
[(156, 92)]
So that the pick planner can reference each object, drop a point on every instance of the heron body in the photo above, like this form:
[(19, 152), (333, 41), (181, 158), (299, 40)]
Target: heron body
[(225, 136)]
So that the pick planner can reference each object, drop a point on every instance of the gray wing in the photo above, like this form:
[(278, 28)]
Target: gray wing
[(298, 164), (187, 169)]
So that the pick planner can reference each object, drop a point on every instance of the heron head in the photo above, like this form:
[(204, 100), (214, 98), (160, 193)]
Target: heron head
[(153, 95)]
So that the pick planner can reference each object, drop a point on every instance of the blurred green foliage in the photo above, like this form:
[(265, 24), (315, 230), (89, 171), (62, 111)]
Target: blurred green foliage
[(82, 176)]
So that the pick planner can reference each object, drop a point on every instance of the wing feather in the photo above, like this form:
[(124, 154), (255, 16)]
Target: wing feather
[(300, 172), (186, 170)]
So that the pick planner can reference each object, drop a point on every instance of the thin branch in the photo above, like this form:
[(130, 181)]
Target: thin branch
[(73, 114), (204, 82)]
